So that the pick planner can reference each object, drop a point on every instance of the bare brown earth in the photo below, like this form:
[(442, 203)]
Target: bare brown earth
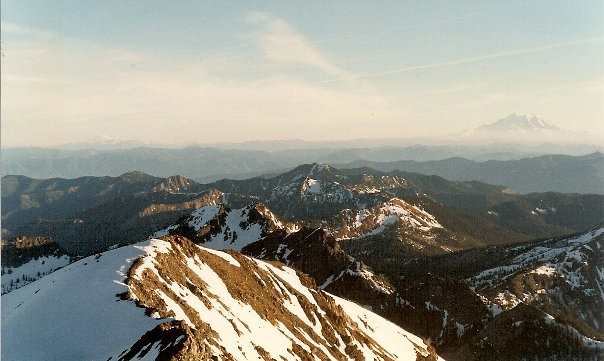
[(250, 284)]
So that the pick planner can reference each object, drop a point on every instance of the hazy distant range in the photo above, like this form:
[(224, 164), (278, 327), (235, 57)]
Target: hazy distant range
[(522, 168)]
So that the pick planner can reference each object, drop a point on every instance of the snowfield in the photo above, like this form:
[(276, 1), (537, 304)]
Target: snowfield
[(16, 277), (73, 313)]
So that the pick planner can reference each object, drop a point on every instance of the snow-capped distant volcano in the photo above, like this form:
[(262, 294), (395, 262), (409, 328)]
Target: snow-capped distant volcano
[(524, 128), (519, 122)]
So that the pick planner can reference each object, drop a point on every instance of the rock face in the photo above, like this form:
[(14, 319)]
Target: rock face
[(175, 183), (199, 304), (257, 232), (227, 300), (211, 197)]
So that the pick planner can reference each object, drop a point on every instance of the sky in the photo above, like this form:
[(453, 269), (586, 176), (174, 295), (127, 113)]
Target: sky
[(183, 72)]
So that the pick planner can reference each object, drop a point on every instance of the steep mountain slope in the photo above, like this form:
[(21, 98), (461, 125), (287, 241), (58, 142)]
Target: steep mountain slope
[(73, 314), (544, 296), (416, 303), (202, 304), (257, 232), (443, 309), (564, 277), (220, 227), (317, 254)]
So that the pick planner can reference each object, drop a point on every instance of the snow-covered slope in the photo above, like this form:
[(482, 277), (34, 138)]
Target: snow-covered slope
[(16, 277), (317, 254), (201, 304), (26, 259), (73, 313), (563, 275), (220, 227), (370, 221), (257, 232)]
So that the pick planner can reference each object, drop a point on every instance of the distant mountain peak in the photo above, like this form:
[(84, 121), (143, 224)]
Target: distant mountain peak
[(519, 122), (176, 183), (525, 129), (312, 169), (136, 177), (319, 167)]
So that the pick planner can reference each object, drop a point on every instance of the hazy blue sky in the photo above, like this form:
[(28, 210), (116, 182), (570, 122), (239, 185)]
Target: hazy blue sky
[(214, 71)]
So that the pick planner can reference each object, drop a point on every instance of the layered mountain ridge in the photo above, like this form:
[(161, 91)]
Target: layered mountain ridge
[(200, 163), (446, 261), (544, 173), (86, 215)]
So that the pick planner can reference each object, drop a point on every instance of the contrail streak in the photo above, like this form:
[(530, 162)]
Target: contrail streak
[(470, 60)]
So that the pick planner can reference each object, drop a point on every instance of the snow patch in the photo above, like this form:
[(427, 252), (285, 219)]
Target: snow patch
[(461, 329), (544, 270), (312, 186)]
